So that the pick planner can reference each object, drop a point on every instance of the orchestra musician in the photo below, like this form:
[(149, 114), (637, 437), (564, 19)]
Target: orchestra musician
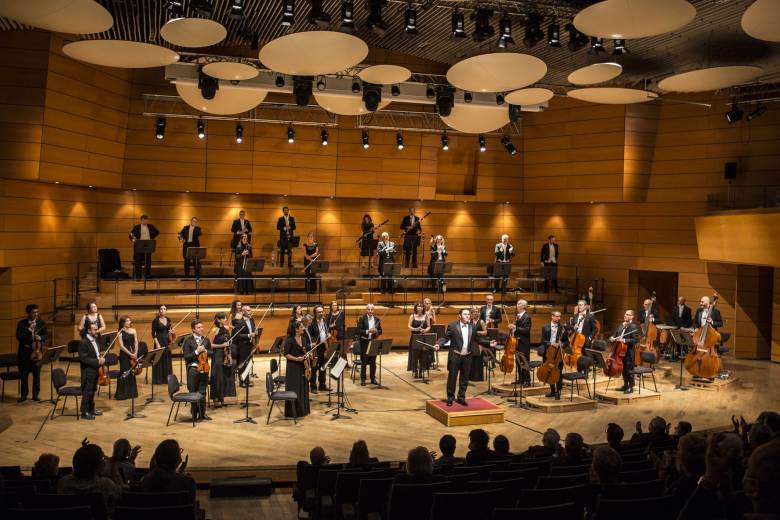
[(295, 349), (319, 332), (438, 254), (478, 362), (244, 336), (336, 322), (366, 240), (648, 313), (504, 252), (143, 231), (28, 331), (244, 283), (311, 252), (295, 318), (418, 360), (430, 311), (90, 359), (631, 332), (554, 333), (386, 252), (161, 335), (240, 226), (583, 322), (681, 317), (369, 328), (549, 260), (128, 353), (412, 228), (489, 313), (703, 316), (189, 236), (92, 315), (197, 380), (223, 384), (521, 329), (286, 227)]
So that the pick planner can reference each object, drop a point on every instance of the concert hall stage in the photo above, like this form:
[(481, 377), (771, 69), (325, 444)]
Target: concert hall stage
[(391, 421)]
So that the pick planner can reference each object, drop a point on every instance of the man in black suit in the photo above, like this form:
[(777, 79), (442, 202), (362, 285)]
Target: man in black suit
[(630, 332), (368, 328), (504, 251), (245, 332), (29, 330), (412, 229), (489, 313), (549, 259), (706, 315), (521, 329), (90, 359), (385, 250), (143, 231), (286, 227), (464, 343), (189, 236), (197, 381), (554, 333), (240, 226), (681, 317), (648, 312), (584, 322)]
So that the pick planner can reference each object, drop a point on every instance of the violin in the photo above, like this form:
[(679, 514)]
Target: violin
[(37, 345), (703, 360), (549, 371), (103, 377), (649, 335), (203, 362), (510, 348)]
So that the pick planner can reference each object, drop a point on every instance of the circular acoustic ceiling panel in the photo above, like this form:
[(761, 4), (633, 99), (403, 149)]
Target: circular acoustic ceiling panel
[(230, 70), (762, 20), (612, 95), (385, 74), (226, 100), (476, 119), (193, 32), (496, 72), (67, 16), (345, 104), (313, 53), (120, 53), (630, 19), (714, 78), (596, 73), (529, 96)]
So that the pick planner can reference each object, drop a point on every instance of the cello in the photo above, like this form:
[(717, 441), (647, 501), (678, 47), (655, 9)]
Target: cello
[(507, 363), (703, 360), (614, 365), (649, 335), (577, 341), (549, 371)]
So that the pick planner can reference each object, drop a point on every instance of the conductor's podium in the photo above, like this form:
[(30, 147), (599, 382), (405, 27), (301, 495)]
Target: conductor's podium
[(479, 411)]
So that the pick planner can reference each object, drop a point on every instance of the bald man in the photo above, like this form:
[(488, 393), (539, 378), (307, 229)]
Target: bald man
[(706, 315)]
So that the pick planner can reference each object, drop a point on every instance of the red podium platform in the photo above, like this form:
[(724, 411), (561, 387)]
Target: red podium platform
[(479, 411)]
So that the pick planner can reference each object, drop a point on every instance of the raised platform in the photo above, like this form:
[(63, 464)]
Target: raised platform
[(508, 389), (478, 411), (617, 397), (716, 385), (549, 405)]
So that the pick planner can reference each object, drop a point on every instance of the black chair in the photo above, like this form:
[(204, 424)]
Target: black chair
[(184, 512), (62, 513), (460, 481), (41, 485), (636, 465), (482, 471), (145, 499), (565, 511), (8, 361), (345, 494), (652, 488), (656, 507), (531, 475), (59, 380), (278, 380), (579, 494), (523, 362), (94, 501), (373, 497), (326, 490), (471, 504), (563, 470), (562, 482), (274, 396), (641, 371), (305, 489), (510, 489), (180, 397), (413, 501), (11, 472), (355, 361), (581, 374), (642, 475), (73, 354)]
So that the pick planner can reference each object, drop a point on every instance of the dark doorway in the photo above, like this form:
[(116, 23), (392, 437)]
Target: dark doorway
[(643, 283)]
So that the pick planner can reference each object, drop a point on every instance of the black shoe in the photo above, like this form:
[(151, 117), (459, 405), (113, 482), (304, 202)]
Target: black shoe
[(36, 398), (323, 388), (628, 391), (621, 389), (449, 401), (551, 394), (362, 383), (462, 402), (88, 416), (205, 417), (22, 399), (96, 412), (313, 390), (558, 396), (373, 382)]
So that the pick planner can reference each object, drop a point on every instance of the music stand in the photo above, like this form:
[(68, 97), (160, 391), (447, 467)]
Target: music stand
[(379, 347), (276, 348), (489, 356), (337, 373), (391, 270), (197, 254), (130, 372), (154, 357), (501, 272), (295, 242), (50, 356), (597, 361), (420, 343), (255, 265), (144, 247), (683, 340), (245, 372)]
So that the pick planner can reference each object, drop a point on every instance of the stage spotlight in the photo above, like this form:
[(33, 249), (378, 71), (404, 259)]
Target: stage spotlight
[(482, 143), (321, 84), (302, 88), (279, 81), (317, 15), (458, 25), (324, 137), (395, 90), (202, 7), (445, 142), (499, 99), (735, 114), (410, 20), (288, 13), (554, 35), (505, 30), (596, 46), (159, 128), (208, 86), (467, 97), (445, 99), (290, 134), (760, 110), (364, 138), (374, 20), (430, 93), (201, 128), (577, 40), (619, 47), (515, 113), (483, 30), (236, 10), (355, 86), (533, 33), (372, 96), (507, 142), (347, 17), (399, 141)]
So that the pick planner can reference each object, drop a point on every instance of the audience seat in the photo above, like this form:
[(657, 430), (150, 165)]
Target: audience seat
[(636, 465), (61, 513), (144, 499), (565, 511), (641, 475), (620, 509), (413, 501), (562, 482), (181, 512), (94, 501), (511, 489), (346, 489), (649, 489), (459, 481), (326, 489), (373, 497), (562, 471), (471, 504), (581, 495), (482, 471)]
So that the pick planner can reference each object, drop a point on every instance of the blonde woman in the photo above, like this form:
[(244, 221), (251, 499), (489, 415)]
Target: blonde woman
[(438, 254), (419, 360), (311, 251)]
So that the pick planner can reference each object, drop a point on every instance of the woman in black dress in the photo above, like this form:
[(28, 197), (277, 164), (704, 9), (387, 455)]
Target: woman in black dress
[(311, 251), (367, 230), (235, 311), (223, 384), (295, 319), (478, 362), (92, 316), (419, 360), (128, 353), (438, 254), (161, 327), (295, 375), (243, 253)]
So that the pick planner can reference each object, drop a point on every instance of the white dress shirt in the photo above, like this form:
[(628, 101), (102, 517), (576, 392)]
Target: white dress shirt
[(680, 309), (371, 325), (553, 332), (145, 232), (704, 316), (94, 345), (464, 331), (552, 254), (191, 231), (323, 329)]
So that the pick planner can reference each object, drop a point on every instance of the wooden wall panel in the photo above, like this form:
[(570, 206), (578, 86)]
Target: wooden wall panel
[(776, 317)]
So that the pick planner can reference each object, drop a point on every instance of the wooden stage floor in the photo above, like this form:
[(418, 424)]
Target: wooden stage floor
[(391, 420)]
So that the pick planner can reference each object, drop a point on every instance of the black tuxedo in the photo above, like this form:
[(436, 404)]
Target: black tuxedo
[(560, 337), (88, 359), (141, 260), (386, 253), (459, 364), (632, 335), (23, 352), (242, 345), (314, 332), (550, 268), (285, 239), (717, 320), (196, 381), (503, 255), (235, 229), (362, 331), (184, 235), (412, 231), (545, 255), (588, 327), (685, 320), (523, 335), (640, 314), (495, 315)]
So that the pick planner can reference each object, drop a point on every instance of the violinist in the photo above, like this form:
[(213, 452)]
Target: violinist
[(418, 361), (412, 229), (336, 320), (245, 334), (521, 329), (28, 331), (706, 315), (681, 318), (430, 311), (223, 384), (649, 313), (295, 373), (128, 354), (554, 332), (295, 318), (92, 314), (286, 227), (489, 313), (504, 252), (368, 328), (386, 252), (583, 322), (319, 332), (161, 335), (195, 348), (630, 332), (90, 359)]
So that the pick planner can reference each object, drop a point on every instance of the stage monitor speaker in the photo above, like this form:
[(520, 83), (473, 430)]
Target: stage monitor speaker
[(730, 171)]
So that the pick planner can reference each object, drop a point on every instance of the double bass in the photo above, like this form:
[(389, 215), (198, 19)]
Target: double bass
[(507, 363), (703, 360), (649, 335)]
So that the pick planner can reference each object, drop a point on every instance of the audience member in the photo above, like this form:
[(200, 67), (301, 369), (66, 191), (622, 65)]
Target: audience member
[(359, 457), (575, 453), (615, 436), (758, 435), (501, 447), (419, 468), (551, 446), (87, 462), (689, 468), (46, 467), (167, 471), (605, 467), (122, 462), (447, 445), (317, 457), (479, 451), (682, 428), (657, 433)]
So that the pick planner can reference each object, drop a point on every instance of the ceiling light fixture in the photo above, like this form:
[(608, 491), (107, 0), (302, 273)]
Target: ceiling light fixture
[(399, 141), (554, 35), (239, 133), (735, 114), (596, 46), (430, 93), (372, 96), (324, 137), (483, 29), (159, 128), (202, 7), (499, 99), (467, 97), (321, 84), (757, 112), (288, 13), (577, 40), (302, 89), (208, 86), (395, 90), (364, 139), (355, 86), (410, 20), (445, 142), (347, 17), (458, 25), (279, 81), (482, 143), (290, 134), (201, 129), (619, 47), (507, 142), (236, 10), (317, 15), (374, 20), (445, 100), (505, 30), (175, 9), (533, 32)]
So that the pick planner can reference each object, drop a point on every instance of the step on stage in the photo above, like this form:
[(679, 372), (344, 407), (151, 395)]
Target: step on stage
[(550, 405), (479, 411), (617, 397)]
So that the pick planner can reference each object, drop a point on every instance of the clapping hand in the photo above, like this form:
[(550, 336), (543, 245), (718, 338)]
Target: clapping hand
[(183, 466)]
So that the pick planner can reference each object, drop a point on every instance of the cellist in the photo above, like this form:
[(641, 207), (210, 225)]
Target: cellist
[(554, 332), (703, 314), (630, 331), (583, 322), (521, 329), (649, 313)]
